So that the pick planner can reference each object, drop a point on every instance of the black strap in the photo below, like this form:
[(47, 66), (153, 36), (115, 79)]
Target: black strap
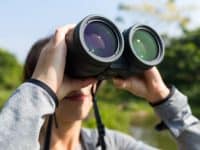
[(161, 126), (172, 89), (48, 134), (100, 125), (46, 88)]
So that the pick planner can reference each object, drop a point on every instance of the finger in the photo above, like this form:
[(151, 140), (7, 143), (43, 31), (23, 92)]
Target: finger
[(123, 83), (152, 73), (118, 82), (132, 84), (61, 32), (153, 76)]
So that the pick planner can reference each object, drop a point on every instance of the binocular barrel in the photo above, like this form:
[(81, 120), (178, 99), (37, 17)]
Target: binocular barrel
[(96, 48)]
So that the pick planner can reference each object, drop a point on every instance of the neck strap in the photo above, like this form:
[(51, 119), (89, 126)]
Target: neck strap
[(100, 125)]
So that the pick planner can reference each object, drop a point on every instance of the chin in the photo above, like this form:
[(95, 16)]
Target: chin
[(72, 115), (78, 115), (73, 111)]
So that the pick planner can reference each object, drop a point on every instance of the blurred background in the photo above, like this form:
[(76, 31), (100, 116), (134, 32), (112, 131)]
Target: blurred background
[(24, 22)]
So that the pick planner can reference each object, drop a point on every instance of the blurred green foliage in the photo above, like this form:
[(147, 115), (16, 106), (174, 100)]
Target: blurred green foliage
[(10, 74), (182, 60), (10, 70), (181, 66)]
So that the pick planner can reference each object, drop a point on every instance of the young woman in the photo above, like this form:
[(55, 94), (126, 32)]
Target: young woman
[(23, 119)]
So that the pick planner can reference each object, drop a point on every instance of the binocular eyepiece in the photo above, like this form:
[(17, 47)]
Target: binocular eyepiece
[(96, 48)]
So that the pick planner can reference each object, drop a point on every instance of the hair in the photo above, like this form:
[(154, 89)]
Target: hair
[(32, 57)]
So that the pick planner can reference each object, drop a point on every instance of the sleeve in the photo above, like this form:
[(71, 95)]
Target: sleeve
[(176, 115), (22, 117)]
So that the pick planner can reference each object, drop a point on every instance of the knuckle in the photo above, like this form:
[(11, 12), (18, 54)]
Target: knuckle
[(57, 34), (58, 30)]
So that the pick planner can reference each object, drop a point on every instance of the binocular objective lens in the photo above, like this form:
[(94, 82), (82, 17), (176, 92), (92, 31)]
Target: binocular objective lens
[(100, 39), (144, 45)]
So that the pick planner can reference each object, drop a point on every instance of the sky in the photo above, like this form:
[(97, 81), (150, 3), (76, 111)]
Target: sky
[(24, 22)]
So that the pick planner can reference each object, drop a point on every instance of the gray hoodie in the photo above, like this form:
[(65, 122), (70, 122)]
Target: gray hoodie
[(23, 115)]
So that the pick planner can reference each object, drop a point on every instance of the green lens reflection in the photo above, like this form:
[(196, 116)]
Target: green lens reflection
[(144, 45)]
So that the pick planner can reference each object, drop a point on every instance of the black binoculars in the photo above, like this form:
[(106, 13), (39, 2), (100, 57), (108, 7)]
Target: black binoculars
[(96, 48)]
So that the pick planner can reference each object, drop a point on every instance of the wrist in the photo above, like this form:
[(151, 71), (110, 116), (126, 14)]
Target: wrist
[(161, 101), (46, 88), (49, 83), (159, 95)]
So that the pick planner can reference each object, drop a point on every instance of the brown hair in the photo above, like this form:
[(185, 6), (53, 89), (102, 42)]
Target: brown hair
[(32, 57)]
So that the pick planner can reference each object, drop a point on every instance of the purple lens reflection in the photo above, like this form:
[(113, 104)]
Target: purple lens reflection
[(100, 39)]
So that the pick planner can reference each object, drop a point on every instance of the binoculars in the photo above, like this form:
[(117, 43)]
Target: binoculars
[(96, 48)]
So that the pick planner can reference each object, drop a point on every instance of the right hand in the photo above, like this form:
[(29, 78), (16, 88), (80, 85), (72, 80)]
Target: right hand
[(149, 85), (51, 63)]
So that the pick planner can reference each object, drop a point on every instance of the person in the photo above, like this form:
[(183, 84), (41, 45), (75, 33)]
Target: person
[(47, 90)]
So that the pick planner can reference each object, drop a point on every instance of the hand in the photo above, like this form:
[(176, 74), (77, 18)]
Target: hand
[(149, 85), (51, 63)]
